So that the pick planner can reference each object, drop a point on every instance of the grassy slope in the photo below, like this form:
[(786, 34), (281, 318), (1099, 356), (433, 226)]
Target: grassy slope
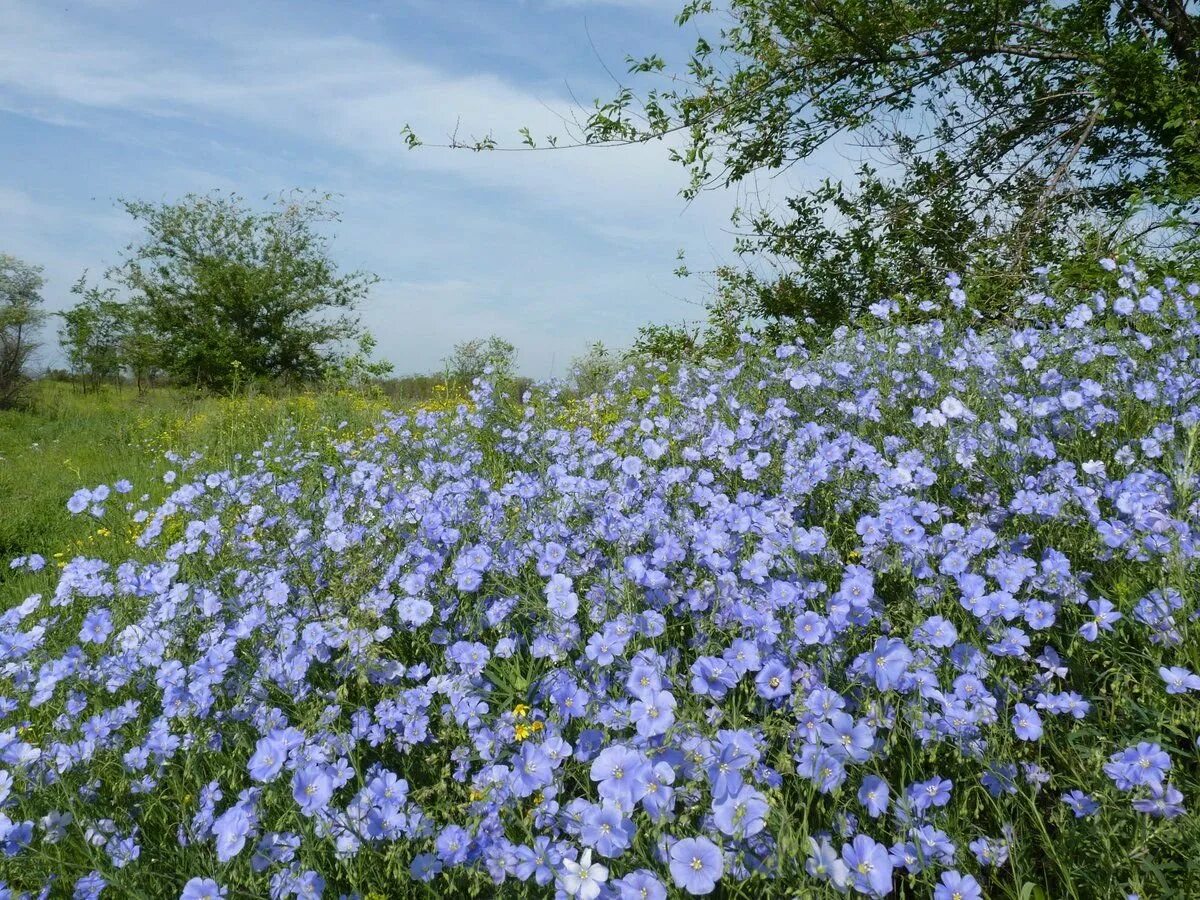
[(70, 440)]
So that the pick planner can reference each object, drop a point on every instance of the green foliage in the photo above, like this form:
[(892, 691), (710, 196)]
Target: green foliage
[(20, 317), (229, 293), (357, 370), (1012, 133), (1097, 102), (667, 342), (95, 334), (471, 359), (592, 372), (995, 136), (65, 438)]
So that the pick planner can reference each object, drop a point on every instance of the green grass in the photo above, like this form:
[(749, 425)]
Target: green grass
[(67, 439)]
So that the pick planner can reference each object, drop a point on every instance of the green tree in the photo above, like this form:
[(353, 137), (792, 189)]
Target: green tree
[(21, 315), (1010, 132), (139, 348), (95, 334), (230, 293), (1098, 102), (593, 371), (997, 135), (474, 358)]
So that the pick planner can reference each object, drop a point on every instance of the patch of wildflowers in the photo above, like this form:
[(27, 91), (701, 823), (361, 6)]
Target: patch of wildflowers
[(867, 577)]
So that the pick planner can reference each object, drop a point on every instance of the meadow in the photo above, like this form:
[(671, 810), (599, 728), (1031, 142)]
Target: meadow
[(66, 437), (909, 612)]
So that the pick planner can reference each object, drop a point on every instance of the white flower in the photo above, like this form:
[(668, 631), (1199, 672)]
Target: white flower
[(583, 879), (952, 408)]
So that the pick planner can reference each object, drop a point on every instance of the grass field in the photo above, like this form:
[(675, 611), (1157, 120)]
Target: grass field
[(67, 439)]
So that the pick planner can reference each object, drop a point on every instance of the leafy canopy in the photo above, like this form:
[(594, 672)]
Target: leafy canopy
[(230, 293), (476, 357), (1009, 132), (95, 333), (992, 136), (21, 314)]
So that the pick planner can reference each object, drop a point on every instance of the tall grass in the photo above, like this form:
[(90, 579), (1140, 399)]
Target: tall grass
[(65, 438)]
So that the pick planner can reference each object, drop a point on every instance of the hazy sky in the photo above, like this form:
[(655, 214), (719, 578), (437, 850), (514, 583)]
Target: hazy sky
[(101, 99)]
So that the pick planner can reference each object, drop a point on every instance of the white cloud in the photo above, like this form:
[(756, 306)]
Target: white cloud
[(562, 247), (350, 94)]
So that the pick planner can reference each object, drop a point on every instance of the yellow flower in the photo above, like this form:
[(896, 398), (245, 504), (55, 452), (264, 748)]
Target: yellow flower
[(520, 710)]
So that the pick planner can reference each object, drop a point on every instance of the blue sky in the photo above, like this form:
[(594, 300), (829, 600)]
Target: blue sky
[(101, 99)]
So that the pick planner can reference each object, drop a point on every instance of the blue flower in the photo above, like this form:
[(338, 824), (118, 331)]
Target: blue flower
[(696, 865), (1144, 765), (89, 887), (1080, 803), (270, 753), (870, 866), (453, 844), (846, 737), (957, 887), (653, 713), (742, 814), (202, 889), (774, 680), (639, 885), (1104, 614), (1026, 722), (97, 626), (926, 795), (1179, 680), (623, 775), (1167, 803), (231, 830), (583, 879), (824, 864), (532, 770), (560, 599), (712, 676), (312, 788), (887, 662), (724, 769), (874, 794), (425, 867), (606, 829)]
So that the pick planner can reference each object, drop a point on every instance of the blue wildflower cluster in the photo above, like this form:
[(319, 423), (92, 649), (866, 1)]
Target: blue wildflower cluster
[(911, 612)]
